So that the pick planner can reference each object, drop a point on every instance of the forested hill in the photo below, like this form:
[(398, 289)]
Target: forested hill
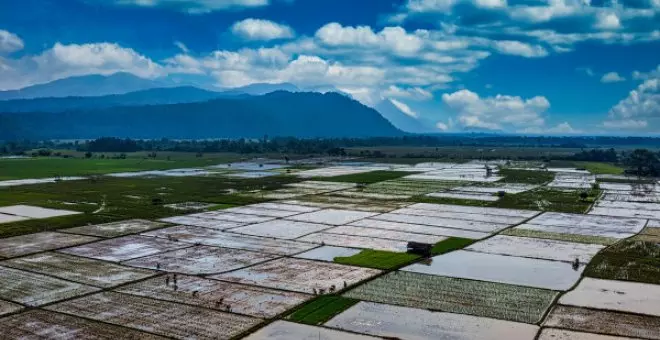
[(274, 114)]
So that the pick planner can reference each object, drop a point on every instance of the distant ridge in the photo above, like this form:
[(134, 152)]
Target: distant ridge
[(155, 96), (85, 86)]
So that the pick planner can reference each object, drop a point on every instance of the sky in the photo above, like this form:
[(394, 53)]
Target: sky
[(532, 67)]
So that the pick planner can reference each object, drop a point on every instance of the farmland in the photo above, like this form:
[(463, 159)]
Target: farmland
[(321, 309), (515, 303), (322, 251)]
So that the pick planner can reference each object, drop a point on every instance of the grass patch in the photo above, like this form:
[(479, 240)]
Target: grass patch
[(599, 168), (449, 200), (560, 237), (545, 199), (322, 309), (451, 244), (526, 176), (628, 260), (126, 198), (366, 177), (41, 167), (627, 180), (378, 259)]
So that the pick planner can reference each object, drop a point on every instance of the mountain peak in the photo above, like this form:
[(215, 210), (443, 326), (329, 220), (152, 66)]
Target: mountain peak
[(84, 86)]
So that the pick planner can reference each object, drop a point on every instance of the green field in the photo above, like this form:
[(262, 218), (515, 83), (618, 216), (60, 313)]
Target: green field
[(400, 154), (548, 200), (378, 259), (42, 167), (628, 260), (600, 168), (111, 199), (561, 237), (366, 177), (526, 176), (542, 199), (450, 244), (321, 309)]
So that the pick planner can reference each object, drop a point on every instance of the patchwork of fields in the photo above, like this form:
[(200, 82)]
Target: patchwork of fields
[(323, 256)]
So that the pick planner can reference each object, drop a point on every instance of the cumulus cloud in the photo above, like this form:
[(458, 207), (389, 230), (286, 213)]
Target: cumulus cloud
[(9, 42), (62, 61), (639, 109), (500, 112), (394, 39), (647, 75), (607, 21), (559, 23), (520, 49), (611, 77), (442, 126), (191, 6), (259, 29)]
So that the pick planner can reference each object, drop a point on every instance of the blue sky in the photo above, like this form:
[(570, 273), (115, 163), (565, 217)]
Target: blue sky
[(533, 66)]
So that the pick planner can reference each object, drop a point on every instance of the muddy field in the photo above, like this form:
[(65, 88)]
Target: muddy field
[(116, 228), (299, 275), (38, 325), (34, 243), (34, 289), (205, 236), (159, 317), (199, 260), (79, 269), (604, 322), (242, 299), (125, 248)]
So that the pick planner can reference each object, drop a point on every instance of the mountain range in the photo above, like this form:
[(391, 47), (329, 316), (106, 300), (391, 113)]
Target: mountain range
[(124, 105)]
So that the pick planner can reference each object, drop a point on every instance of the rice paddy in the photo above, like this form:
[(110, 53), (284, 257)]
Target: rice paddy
[(327, 258), (488, 299), (411, 323)]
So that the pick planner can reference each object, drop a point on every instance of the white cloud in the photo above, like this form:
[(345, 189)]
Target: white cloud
[(414, 93), (607, 21), (611, 77), (560, 23), (193, 6), (431, 5), (394, 39), (625, 124), (422, 6), (496, 113), (62, 61), (518, 48), (635, 111), (587, 70), (563, 128), (258, 29), (404, 108), (491, 4), (442, 126), (9, 42), (182, 47), (655, 73), (560, 129)]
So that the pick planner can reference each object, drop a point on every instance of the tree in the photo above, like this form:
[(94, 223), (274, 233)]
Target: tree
[(88, 154), (643, 162), (584, 195)]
